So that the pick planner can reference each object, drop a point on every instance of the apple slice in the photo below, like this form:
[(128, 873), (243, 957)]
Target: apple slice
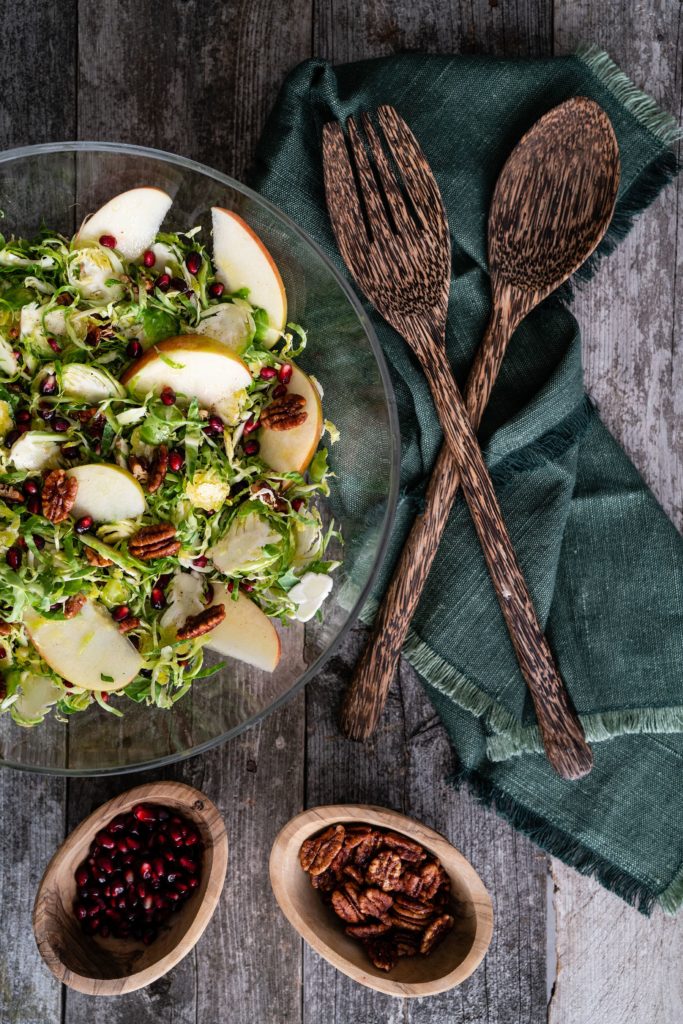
[(107, 493), (245, 633), (288, 451), (84, 649), (242, 261), (132, 218), (200, 368)]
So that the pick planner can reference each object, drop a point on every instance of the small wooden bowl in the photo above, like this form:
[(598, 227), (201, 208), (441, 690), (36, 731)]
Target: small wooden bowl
[(453, 960), (110, 967)]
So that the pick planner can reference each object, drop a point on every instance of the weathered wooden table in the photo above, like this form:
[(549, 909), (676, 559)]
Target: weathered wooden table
[(197, 77)]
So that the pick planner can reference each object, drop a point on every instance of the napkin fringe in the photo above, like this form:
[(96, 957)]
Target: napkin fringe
[(671, 899), (567, 849)]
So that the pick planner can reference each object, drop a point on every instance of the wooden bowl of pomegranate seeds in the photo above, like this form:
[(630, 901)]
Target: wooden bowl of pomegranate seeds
[(463, 902), (132, 888)]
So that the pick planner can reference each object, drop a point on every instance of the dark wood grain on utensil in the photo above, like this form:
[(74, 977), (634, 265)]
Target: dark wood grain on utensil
[(397, 247), (571, 148)]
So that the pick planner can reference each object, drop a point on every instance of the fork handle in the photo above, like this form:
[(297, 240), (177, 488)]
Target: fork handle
[(561, 730), (367, 692)]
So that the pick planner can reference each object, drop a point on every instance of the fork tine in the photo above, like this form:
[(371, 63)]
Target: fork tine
[(412, 163), (377, 217), (340, 191), (387, 176)]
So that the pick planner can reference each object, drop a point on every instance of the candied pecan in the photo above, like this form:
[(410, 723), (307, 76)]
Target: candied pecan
[(385, 870), (138, 468), (59, 495), (412, 910), (368, 931), (9, 493), (435, 932), (366, 848), (324, 882), (284, 413), (382, 953), (6, 628), (73, 605), (346, 905), (126, 625), (316, 854), (375, 903), (406, 944), (354, 873), (154, 542), (95, 558), (337, 865), (84, 415), (433, 878), (355, 834), (404, 847), (411, 884), (158, 468), (203, 622)]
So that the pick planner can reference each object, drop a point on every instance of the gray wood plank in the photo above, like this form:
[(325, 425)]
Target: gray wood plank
[(31, 806), (613, 965)]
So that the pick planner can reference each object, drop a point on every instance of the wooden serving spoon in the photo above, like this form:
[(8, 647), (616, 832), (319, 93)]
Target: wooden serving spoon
[(551, 207)]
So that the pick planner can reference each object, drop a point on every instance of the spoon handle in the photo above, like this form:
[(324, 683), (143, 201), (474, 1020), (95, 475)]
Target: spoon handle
[(366, 694), (561, 730)]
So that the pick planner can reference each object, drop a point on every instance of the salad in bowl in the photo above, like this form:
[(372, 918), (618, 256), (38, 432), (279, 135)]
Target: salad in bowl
[(160, 459)]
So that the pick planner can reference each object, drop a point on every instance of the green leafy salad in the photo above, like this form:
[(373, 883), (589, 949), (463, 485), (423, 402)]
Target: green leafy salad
[(160, 461)]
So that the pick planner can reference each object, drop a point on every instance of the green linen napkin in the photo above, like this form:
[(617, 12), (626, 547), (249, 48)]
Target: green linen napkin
[(604, 564)]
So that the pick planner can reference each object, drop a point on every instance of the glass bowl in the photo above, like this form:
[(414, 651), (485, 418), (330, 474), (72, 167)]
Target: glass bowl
[(56, 185)]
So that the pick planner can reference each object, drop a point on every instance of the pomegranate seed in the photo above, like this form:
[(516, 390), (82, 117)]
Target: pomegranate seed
[(250, 424), (157, 598), (159, 866), (176, 835), (173, 895), (298, 504), (167, 396), (148, 902), (80, 911), (216, 290), (108, 241), (23, 416), (49, 385), (23, 427), (83, 524), (107, 891), (201, 562), (82, 877), (105, 864), (193, 881), (208, 593), (121, 612), (175, 460), (230, 587), (13, 436), (117, 888), (46, 411), (54, 345), (148, 258), (144, 813), (268, 372), (60, 424), (279, 391), (251, 447), (30, 487), (163, 582), (163, 282), (187, 864), (169, 856), (193, 262), (34, 505), (284, 374), (13, 558), (129, 876), (145, 870), (214, 426), (181, 887), (40, 544), (246, 586), (191, 838), (134, 349), (178, 284), (105, 840)]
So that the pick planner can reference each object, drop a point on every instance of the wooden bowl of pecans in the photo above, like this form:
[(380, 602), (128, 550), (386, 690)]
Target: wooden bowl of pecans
[(125, 939), (385, 899)]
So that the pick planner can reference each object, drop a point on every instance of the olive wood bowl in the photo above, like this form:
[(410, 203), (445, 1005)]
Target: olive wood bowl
[(109, 967), (451, 962)]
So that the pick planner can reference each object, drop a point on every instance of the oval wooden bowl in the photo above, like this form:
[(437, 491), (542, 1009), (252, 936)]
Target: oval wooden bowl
[(110, 967), (452, 961)]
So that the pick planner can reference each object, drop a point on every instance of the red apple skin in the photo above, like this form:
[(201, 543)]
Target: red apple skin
[(186, 341)]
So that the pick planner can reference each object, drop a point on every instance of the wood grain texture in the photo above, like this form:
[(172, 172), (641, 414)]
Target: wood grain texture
[(455, 958), (399, 253), (614, 965)]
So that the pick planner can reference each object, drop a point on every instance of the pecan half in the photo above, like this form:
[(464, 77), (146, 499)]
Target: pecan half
[(435, 932), (345, 902), (375, 903), (316, 854), (382, 953), (412, 910), (324, 882), (95, 558), (404, 847), (158, 468), (385, 870), (337, 865), (138, 468), (201, 623), (73, 605), (9, 493), (411, 884), (129, 624), (355, 834), (354, 873), (154, 542), (59, 495), (433, 878), (284, 413), (366, 848), (406, 944), (368, 931)]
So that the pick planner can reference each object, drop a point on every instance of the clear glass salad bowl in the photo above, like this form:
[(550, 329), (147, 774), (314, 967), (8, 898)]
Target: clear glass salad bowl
[(55, 186)]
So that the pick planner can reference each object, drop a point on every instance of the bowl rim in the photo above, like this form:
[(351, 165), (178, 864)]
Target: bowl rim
[(129, 149), (150, 792), (312, 820)]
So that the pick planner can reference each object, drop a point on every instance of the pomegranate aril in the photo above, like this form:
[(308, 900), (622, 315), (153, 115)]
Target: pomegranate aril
[(173, 895), (145, 813), (134, 349), (13, 558), (142, 890), (216, 290), (284, 374), (157, 598), (54, 345), (48, 385), (148, 902), (267, 372), (106, 840), (133, 843), (298, 504), (40, 544), (105, 864), (178, 284), (200, 562), (250, 425), (215, 425), (176, 834), (187, 864), (175, 460), (82, 876), (145, 870), (45, 411), (23, 416), (108, 241), (246, 586), (80, 911), (167, 396), (280, 391), (33, 505), (160, 902), (191, 838), (251, 447), (193, 262), (120, 612), (181, 887), (193, 881), (29, 487), (129, 876), (163, 282), (60, 424), (83, 524), (148, 258), (158, 866)]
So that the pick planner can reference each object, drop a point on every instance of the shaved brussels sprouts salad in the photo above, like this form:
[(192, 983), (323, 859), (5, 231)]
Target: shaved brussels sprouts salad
[(159, 461)]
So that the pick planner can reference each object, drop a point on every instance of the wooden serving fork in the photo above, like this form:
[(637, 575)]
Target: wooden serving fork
[(397, 247)]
